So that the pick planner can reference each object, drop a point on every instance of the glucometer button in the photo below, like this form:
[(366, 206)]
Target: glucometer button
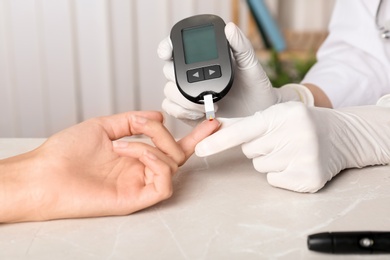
[(199, 74), (195, 75), (212, 72)]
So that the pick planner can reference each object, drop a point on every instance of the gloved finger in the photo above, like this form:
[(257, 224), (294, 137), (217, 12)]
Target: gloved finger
[(243, 51), (169, 71), (164, 49), (242, 131), (260, 146), (271, 162), (279, 140), (173, 94), (180, 112), (226, 122), (301, 181)]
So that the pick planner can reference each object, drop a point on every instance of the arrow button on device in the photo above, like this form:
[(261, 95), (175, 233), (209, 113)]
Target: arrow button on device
[(195, 75), (212, 72)]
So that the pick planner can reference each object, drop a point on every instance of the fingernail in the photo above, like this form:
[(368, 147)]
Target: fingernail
[(150, 155), (120, 144), (208, 121), (138, 119)]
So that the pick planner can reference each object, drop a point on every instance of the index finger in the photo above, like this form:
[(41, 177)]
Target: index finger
[(200, 132), (236, 133)]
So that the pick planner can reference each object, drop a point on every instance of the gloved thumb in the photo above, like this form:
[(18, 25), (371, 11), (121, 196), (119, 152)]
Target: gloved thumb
[(243, 51), (164, 50), (300, 181)]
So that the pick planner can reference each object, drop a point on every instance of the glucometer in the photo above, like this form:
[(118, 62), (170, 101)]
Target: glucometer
[(202, 60)]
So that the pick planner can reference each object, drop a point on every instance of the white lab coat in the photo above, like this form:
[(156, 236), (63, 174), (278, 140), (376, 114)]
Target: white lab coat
[(353, 65)]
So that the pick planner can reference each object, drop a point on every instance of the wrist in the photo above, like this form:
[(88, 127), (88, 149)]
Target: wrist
[(297, 92), (18, 202), (319, 96), (367, 129)]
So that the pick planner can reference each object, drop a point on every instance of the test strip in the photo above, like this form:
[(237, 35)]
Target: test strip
[(209, 106)]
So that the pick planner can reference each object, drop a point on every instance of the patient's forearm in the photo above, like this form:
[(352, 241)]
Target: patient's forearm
[(17, 202)]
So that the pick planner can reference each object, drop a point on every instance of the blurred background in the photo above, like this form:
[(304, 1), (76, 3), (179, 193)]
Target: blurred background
[(65, 61)]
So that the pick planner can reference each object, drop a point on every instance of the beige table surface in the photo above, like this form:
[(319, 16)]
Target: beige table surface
[(221, 209)]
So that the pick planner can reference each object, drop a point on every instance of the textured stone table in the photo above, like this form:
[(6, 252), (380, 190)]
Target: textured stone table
[(221, 209)]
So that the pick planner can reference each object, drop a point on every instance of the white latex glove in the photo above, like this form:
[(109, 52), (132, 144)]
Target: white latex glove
[(301, 148), (251, 90)]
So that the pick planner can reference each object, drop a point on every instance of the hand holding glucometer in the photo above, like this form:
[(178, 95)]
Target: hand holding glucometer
[(250, 92), (202, 60)]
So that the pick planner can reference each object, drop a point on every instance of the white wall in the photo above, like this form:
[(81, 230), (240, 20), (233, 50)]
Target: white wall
[(304, 15), (63, 61)]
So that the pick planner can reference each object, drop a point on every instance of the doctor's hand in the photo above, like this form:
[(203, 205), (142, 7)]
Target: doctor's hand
[(84, 172), (251, 91), (301, 148)]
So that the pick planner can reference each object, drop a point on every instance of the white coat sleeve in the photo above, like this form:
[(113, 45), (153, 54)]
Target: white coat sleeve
[(353, 64)]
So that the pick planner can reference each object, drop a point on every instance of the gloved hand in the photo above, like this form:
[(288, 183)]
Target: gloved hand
[(251, 90), (301, 148)]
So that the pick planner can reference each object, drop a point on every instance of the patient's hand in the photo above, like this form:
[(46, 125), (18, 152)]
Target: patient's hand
[(83, 172)]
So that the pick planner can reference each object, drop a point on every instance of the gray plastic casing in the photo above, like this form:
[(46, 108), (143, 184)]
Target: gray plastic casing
[(218, 87)]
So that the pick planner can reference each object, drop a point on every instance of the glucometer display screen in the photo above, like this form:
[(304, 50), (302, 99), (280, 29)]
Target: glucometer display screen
[(199, 44)]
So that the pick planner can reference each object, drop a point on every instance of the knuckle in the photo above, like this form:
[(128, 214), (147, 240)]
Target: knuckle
[(181, 158), (168, 193)]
